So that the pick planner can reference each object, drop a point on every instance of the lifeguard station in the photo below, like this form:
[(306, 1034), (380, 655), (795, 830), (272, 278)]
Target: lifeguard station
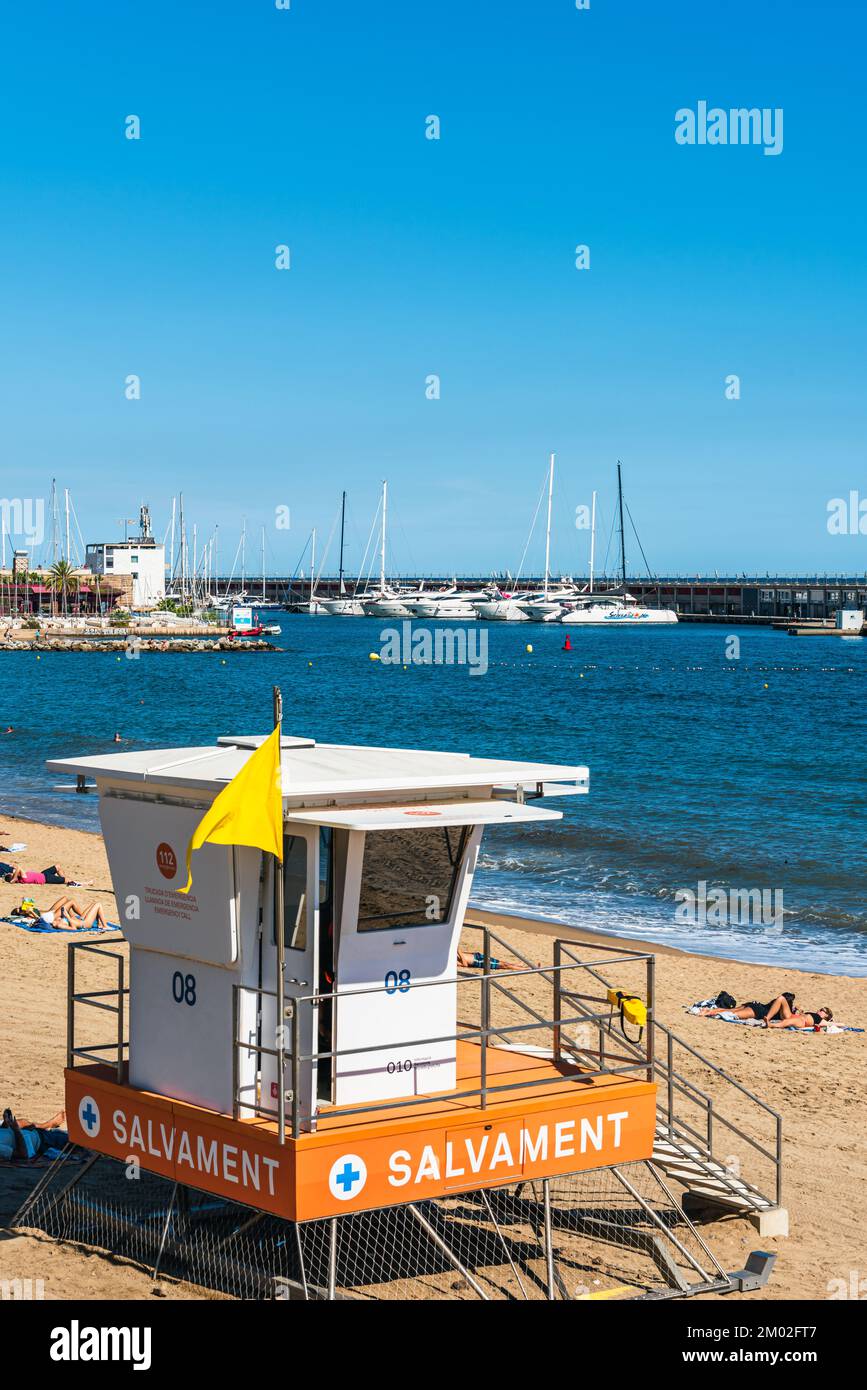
[(304, 1045)]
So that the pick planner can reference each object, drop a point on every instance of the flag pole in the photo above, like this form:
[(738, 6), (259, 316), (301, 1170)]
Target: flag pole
[(279, 937)]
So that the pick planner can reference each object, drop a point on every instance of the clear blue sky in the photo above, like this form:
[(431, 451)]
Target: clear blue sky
[(412, 257)]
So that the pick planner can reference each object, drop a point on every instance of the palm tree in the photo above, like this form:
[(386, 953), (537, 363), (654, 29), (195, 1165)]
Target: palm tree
[(61, 579)]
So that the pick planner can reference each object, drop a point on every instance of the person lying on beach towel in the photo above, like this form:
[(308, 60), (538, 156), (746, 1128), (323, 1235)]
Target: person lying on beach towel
[(475, 960), (25, 1141), (66, 915), (780, 1013), (803, 1018), (17, 875), (783, 1005)]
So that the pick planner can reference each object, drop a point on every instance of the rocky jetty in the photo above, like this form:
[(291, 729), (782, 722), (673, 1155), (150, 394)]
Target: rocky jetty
[(131, 646)]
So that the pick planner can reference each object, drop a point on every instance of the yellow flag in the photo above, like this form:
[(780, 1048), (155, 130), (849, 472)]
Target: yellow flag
[(249, 811)]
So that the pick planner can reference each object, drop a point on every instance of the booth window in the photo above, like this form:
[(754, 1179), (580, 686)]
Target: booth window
[(408, 877), (295, 892)]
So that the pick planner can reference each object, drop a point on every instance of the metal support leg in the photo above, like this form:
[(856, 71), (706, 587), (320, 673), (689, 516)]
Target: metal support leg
[(301, 1263), (165, 1233), (449, 1254), (73, 1182), (332, 1260), (554, 1280), (487, 1202)]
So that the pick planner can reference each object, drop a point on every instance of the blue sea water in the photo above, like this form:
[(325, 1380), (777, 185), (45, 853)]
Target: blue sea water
[(745, 774)]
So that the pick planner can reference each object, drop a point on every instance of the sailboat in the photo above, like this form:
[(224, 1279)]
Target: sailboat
[(548, 606), (343, 606), (602, 610), (388, 602), (502, 607)]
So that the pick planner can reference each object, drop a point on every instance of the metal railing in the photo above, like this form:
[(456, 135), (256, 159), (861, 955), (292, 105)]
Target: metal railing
[(97, 999), (492, 984), (675, 1086)]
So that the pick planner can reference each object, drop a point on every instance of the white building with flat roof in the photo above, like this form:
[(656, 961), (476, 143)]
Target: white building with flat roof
[(142, 558)]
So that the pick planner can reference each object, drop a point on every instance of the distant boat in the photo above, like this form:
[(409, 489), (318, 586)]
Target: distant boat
[(514, 608), (606, 610), (504, 609)]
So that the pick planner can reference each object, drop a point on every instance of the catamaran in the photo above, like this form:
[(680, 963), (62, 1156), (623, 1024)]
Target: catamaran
[(600, 610)]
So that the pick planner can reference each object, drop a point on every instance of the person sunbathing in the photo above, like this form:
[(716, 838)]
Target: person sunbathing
[(806, 1018), (66, 915), (475, 960), (25, 1140), (50, 875), (783, 1005)]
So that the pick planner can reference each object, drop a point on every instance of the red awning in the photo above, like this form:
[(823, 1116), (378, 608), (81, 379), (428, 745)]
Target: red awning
[(39, 589)]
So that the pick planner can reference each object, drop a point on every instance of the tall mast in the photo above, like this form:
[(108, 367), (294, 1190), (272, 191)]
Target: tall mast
[(243, 557), (183, 539), (172, 548), (312, 566), (263, 564), (592, 539), (53, 521), (66, 504), (341, 589), (622, 538), (195, 559), (548, 528), (215, 568), (382, 537)]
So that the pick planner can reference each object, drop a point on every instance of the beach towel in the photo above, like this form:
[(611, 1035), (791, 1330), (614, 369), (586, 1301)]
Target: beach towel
[(43, 929), (757, 1023)]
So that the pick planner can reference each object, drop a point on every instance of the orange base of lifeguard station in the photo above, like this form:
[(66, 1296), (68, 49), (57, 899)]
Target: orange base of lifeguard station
[(382, 1157)]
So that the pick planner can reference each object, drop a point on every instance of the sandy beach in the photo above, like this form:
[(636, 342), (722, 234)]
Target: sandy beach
[(816, 1083)]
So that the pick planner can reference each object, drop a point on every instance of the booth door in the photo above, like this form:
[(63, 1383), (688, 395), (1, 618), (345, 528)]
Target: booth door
[(301, 969), (405, 894)]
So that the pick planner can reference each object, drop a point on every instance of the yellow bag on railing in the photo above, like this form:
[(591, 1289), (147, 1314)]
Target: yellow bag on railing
[(632, 1010)]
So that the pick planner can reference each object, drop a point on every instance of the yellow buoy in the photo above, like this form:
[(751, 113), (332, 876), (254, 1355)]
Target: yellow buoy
[(374, 656), (766, 685), (529, 646)]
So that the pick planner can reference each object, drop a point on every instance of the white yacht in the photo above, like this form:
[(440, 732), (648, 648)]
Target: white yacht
[(602, 610), (342, 607), (447, 603), (505, 608), (547, 608)]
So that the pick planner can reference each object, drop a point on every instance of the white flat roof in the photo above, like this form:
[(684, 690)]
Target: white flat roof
[(319, 769), (419, 814)]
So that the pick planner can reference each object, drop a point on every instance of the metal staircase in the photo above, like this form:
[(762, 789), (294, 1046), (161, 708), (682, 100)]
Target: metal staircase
[(693, 1129), (711, 1129)]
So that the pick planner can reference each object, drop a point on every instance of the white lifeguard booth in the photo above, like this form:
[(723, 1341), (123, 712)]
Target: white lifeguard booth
[(350, 1079), (380, 848), (302, 1040)]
